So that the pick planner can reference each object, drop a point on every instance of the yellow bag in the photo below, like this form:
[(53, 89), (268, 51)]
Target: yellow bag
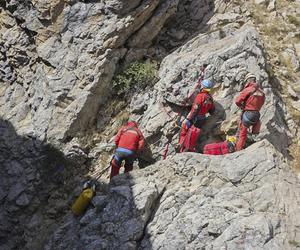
[(82, 201)]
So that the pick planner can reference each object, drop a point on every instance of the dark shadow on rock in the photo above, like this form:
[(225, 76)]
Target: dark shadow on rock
[(116, 218), (35, 183), (146, 158), (189, 21), (211, 130)]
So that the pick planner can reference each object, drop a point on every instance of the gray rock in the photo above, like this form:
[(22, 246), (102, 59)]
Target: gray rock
[(68, 70), (74, 152), (57, 59), (99, 202), (240, 205), (272, 5), (149, 31), (15, 168), (228, 60), (290, 59), (292, 92), (23, 200), (262, 2), (100, 148), (2, 194), (15, 191)]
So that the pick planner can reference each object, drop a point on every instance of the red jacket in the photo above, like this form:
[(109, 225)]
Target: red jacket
[(130, 137), (220, 148), (251, 98), (202, 105)]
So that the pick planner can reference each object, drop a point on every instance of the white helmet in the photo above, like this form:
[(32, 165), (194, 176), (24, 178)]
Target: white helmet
[(250, 75)]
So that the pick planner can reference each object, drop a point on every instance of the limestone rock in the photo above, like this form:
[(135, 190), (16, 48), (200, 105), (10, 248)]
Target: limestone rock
[(228, 59), (145, 35), (291, 59), (59, 63), (57, 60), (292, 92), (272, 5), (262, 2), (197, 201)]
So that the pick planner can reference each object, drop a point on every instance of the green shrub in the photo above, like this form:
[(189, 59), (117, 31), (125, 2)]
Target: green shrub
[(294, 20), (294, 243), (135, 76)]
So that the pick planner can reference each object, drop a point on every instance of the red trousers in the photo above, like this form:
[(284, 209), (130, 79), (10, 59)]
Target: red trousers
[(115, 168), (243, 131)]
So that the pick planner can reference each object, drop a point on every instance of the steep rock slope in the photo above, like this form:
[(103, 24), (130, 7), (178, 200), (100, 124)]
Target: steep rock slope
[(193, 201), (58, 59), (35, 185), (228, 58)]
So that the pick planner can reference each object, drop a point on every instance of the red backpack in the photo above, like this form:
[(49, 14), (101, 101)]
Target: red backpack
[(189, 142), (219, 148)]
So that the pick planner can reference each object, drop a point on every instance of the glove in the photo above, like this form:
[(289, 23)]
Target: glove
[(187, 123)]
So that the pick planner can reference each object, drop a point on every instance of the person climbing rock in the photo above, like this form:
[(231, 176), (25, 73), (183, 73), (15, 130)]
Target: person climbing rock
[(221, 148), (129, 143), (250, 100), (202, 105)]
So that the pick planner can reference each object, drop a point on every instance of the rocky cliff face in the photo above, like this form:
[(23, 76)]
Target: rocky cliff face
[(57, 62), (229, 54), (193, 201), (58, 59)]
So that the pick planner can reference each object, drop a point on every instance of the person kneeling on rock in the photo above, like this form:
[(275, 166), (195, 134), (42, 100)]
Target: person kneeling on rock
[(250, 100), (202, 105), (129, 142), (221, 148)]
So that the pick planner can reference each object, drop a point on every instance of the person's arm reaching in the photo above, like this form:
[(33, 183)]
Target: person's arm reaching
[(193, 112)]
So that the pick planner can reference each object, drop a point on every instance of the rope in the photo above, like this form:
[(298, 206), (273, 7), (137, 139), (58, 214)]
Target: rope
[(202, 69)]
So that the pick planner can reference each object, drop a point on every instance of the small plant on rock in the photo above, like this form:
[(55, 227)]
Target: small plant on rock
[(136, 76)]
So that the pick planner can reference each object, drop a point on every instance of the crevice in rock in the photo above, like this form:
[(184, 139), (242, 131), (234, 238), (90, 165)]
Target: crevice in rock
[(30, 33), (214, 234), (47, 63), (3, 5), (271, 233), (151, 217)]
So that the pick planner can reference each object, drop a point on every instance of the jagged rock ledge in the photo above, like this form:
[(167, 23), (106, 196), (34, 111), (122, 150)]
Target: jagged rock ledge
[(229, 54), (248, 199)]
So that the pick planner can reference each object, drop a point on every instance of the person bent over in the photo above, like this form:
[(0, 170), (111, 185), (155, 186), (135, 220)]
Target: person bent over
[(250, 100), (129, 142)]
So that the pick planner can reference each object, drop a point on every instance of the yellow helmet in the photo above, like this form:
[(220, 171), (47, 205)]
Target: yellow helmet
[(231, 139)]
